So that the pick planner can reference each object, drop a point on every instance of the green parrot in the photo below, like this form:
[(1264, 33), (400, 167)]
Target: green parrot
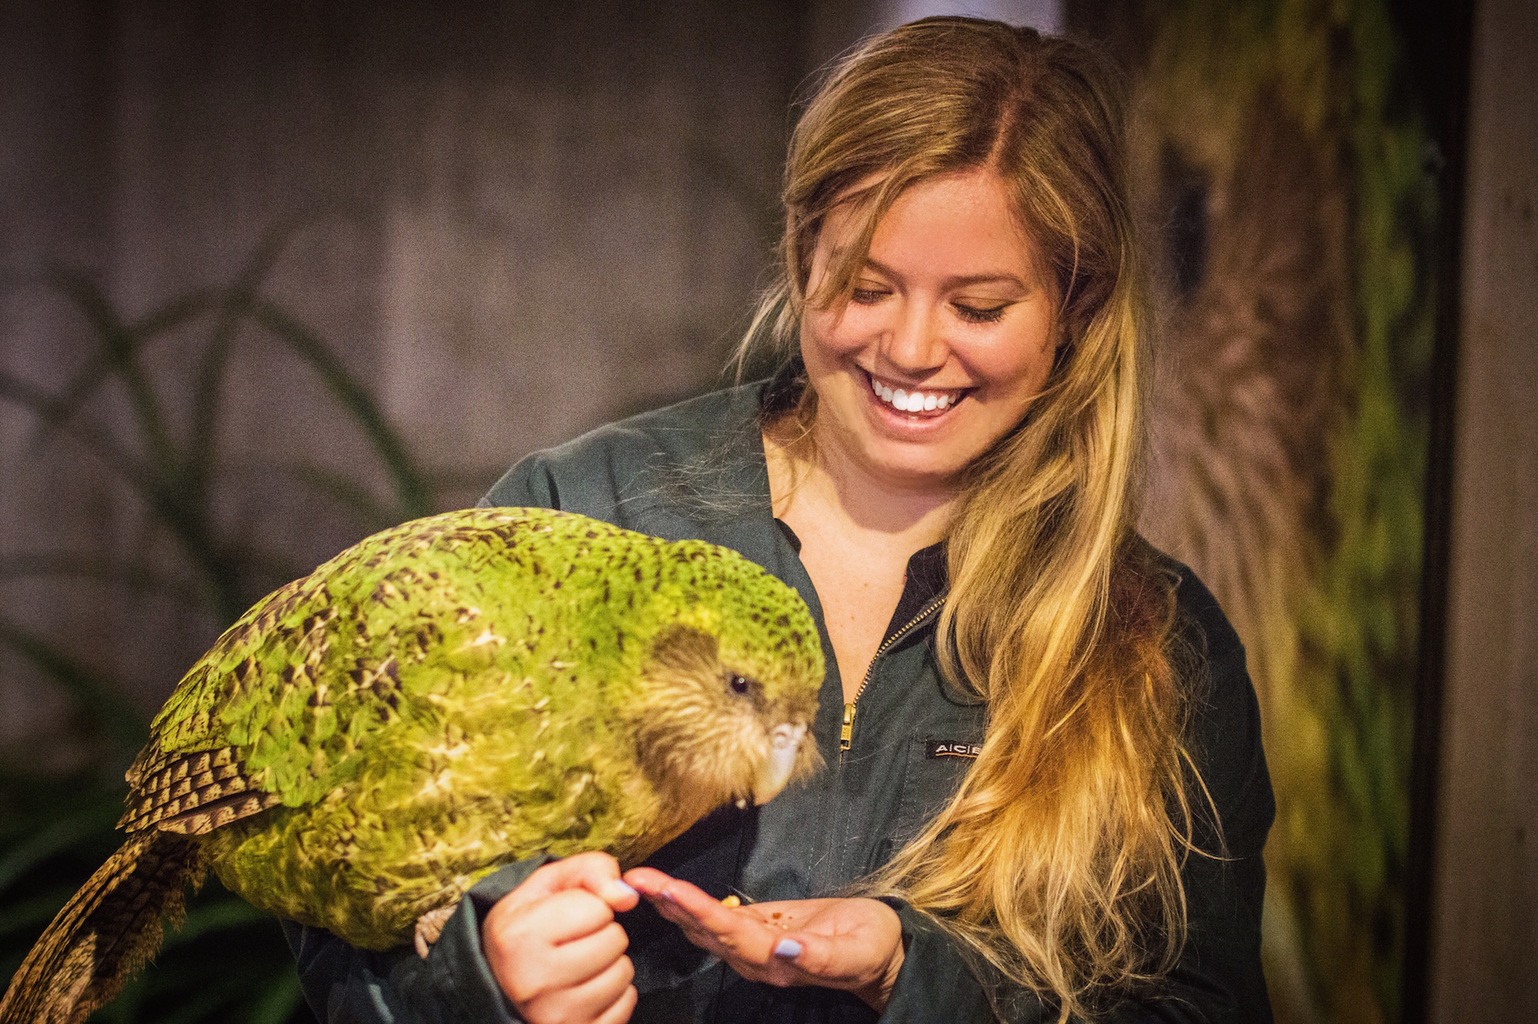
[(439, 700)]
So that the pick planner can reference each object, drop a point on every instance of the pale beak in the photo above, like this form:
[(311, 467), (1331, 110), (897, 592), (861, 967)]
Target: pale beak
[(784, 741)]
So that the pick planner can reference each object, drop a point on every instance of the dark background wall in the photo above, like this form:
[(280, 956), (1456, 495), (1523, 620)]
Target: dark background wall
[(514, 221), (1484, 924), (510, 221)]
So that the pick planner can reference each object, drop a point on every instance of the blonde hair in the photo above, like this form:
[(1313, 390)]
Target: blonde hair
[(1059, 858)]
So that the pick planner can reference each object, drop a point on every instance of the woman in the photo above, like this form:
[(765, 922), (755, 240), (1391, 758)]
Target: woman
[(1045, 793)]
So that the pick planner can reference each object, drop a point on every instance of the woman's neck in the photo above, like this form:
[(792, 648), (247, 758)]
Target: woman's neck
[(857, 534), (821, 484)]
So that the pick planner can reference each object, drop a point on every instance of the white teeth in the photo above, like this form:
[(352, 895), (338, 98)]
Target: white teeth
[(913, 401)]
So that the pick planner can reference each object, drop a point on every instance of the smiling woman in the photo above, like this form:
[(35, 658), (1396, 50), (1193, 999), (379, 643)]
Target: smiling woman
[(1044, 795), (944, 341)]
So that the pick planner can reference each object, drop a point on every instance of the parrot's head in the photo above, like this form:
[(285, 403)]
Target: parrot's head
[(729, 684)]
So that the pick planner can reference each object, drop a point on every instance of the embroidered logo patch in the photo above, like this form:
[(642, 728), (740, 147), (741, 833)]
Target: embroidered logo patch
[(952, 748)]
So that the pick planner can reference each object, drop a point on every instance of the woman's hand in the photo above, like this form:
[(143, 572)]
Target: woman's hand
[(850, 944), (555, 948)]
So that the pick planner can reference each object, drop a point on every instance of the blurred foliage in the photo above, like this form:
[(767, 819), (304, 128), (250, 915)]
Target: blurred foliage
[(1340, 749), (228, 961), (1360, 623), (1364, 620)]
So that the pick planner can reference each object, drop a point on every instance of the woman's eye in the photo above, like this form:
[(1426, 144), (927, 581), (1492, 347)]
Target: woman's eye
[(739, 684), (866, 296), (980, 314)]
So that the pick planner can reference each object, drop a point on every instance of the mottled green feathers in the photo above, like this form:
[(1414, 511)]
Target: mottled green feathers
[(441, 699)]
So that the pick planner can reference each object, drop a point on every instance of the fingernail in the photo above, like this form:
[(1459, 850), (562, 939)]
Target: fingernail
[(626, 888), (788, 949)]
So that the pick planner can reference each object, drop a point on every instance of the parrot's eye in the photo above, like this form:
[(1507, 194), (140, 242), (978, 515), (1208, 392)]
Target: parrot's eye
[(739, 684)]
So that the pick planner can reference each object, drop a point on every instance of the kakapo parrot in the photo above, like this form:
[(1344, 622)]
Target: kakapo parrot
[(441, 699)]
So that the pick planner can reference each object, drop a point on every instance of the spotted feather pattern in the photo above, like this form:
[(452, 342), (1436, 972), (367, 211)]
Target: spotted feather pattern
[(446, 697)]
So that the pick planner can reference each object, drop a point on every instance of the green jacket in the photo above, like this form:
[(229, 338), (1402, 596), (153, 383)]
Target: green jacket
[(697, 470)]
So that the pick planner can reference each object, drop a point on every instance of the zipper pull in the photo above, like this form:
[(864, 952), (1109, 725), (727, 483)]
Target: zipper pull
[(846, 731)]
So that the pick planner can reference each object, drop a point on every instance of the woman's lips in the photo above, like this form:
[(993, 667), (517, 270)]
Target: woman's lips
[(915, 401)]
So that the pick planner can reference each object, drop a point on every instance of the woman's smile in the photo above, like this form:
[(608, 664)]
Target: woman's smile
[(943, 343), (913, 401)]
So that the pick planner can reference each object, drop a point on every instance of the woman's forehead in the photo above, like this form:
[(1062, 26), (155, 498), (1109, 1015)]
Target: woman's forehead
[(967, 215)]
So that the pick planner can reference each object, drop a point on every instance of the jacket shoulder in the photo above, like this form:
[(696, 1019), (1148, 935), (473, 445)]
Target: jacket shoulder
[(1200, 617), (682, 430), (622, 470)]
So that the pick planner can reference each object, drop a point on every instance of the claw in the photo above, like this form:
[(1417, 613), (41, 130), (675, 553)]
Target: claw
[(429, 927)]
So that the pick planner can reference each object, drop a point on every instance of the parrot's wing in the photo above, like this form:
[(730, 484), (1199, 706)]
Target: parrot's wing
[(192, 775), (280, 707)]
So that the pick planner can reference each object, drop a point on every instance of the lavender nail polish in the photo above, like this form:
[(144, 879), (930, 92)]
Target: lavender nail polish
[(788, 949)]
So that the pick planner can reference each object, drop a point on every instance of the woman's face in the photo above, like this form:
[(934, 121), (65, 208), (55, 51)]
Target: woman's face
[(946, 341)]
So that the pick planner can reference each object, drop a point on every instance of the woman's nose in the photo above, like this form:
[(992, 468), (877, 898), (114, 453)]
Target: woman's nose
[(914, 343)]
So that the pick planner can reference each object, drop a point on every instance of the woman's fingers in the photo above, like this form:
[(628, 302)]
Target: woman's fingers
[(744, 936), (606, 995), (579, 960), (560, 917), (555, 948), (594, 871), (620, 1010), (647, 881), (554, 965), (851, 944), (686, 903), (700, 915)]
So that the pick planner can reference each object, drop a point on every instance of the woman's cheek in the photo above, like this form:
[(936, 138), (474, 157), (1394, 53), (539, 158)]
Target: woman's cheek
[(836, 334)]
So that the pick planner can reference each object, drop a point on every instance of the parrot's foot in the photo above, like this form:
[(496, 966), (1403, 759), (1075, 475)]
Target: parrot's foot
[(430, 926)]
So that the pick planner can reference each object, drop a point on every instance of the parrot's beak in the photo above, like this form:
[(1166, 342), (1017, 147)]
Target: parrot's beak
[(775, 772)]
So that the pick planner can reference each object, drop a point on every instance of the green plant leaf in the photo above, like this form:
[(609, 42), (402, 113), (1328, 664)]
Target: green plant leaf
[(97, 699), (217, 911), (118, 347), (231, 311), (99, 442), (101, 369), (412, 492), (344, 491), (77, 825), (55, 831), (279, 1003), (64, 565)]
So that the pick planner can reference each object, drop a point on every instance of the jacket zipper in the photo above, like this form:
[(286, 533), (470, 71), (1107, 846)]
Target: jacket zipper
[(846, 730)]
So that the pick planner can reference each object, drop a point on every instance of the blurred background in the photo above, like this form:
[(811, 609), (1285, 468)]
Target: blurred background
[(273, 276)]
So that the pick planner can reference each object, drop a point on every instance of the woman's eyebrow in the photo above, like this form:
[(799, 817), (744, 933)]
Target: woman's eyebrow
[(959, 280)]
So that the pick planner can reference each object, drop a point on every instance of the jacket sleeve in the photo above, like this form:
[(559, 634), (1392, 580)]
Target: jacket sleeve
[(346, 985), (1218, 979)]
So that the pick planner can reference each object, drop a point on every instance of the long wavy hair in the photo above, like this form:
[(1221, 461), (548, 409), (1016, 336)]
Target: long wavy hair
[(1059, 858)]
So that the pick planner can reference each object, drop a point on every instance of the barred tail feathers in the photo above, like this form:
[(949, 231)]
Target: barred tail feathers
[(106, 932)]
